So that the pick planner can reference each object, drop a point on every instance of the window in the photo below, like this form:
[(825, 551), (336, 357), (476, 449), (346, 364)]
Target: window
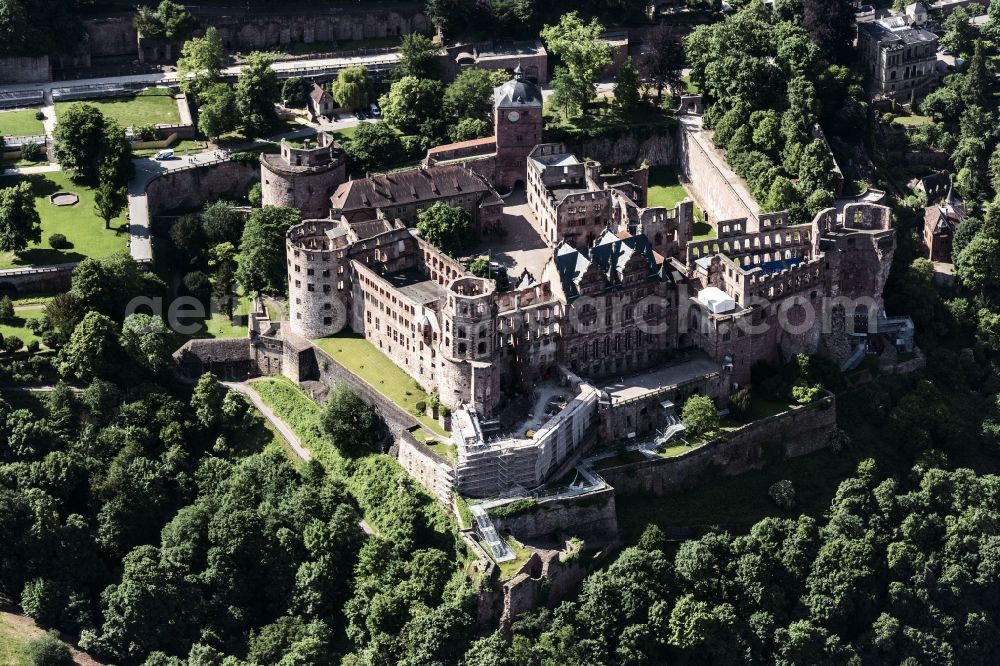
[(327, 321), (311, 287)]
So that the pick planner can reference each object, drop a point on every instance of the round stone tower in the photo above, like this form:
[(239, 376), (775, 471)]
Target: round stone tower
[(317, 284), (469, 374), (303, 175)]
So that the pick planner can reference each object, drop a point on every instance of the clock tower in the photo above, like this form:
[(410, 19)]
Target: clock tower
[(517, 122)]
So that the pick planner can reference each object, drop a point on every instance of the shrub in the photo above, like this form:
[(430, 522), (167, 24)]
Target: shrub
[(31, 152), (255, 196), (783, 494), (804, 393), (39, 115), (12, 344), (420, 407), (58, 242), (6, 309), (515, 508), (48, 650), (146, 133), (33, 347)]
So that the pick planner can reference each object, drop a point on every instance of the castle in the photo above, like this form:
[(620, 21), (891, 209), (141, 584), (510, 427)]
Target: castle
[(624, 315)]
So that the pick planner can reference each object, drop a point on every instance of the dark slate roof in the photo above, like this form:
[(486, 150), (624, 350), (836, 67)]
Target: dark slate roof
[(317, 93), (516, 93), (404, 187), (611, 254)]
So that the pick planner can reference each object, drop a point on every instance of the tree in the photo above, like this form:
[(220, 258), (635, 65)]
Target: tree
[(410, 102), (978, 264), (416, 56), (48, 650), (201, 61), (145, 339), (831, 25), (222, 222), (170, 20), (958, 32), (815, 168), (295, 92), (978, 82), (584, 56), (92, 350), (470, 128), (351, 87), (470, 95), (188, 236), (109, 201), (346, 419), (6, 309), (447, 227), (374, 146), (782, 195), (109, 284), (480, 267), (217, 113), (206, 400), (700, 416), (256, 92), (262, 250), (81, 141), (627, 92), (20, 223), (663, 60)]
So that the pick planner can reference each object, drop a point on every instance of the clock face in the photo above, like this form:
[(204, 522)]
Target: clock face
[(513, 116)]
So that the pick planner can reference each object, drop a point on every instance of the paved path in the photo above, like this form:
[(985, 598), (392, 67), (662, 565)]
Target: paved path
[(283, 428), (41, 168)]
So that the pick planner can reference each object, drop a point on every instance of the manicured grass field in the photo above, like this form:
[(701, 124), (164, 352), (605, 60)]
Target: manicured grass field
[(81, 226), (664, 188), (220, 326), (19, 326), (366, 361), (20, 122), (154, 106), (913, 121)]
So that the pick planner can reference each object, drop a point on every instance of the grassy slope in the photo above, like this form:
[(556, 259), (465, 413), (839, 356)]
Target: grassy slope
[(78, 223), (366, 361)]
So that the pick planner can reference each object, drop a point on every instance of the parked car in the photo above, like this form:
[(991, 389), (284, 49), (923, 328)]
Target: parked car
[(377, 112), (164, 155)]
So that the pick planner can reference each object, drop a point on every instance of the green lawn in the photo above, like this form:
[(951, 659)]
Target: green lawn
[(664, 188), (12, 644), (692, 89), (19, 326), (220, 326), (366, 361), (913, 121), (510, 567), (155, 106), (602, 119), (703, 230), (21, 122), (344, 135), (81, 226)]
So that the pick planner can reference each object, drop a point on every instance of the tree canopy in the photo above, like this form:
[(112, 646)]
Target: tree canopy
[(257, 90), (20, 223), (583, 54), (262, 250), (447, 227)]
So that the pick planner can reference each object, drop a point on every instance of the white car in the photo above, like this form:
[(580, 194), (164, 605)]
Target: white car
[(164, 155)]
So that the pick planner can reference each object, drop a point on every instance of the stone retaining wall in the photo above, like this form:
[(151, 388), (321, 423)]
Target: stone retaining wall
[(190, 188), (795, 433), (629, 150), (25, 69), (590, 517), (40, 278)]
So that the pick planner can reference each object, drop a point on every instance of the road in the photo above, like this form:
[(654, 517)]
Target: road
[(284, 69)]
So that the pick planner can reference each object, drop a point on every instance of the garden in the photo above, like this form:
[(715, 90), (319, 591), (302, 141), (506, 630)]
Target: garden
[(84, 232), (153, 106), (21, 122)]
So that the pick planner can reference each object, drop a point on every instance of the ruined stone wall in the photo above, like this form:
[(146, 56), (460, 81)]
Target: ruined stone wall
[(26, 69), (112, 37), (711, 185), (191, 188), (590, 517), (797, 432), (425, 466), (241, 33), (308, 191), (657, 149)]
